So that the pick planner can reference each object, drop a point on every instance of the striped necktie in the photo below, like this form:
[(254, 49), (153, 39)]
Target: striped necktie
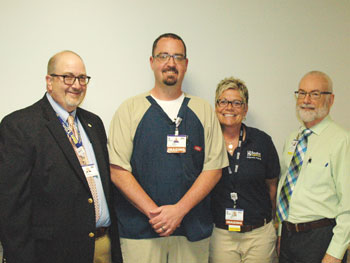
[(83, 159), (292, 176)]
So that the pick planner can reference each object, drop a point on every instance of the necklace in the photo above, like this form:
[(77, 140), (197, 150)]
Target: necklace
[(230, 147)]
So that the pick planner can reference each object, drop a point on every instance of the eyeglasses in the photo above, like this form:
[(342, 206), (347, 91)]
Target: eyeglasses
[(234, 103), (70, 79), (314, 95), (165, 57)]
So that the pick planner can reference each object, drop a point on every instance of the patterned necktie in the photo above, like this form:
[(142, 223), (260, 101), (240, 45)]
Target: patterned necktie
[(83, 159), (292, 176)]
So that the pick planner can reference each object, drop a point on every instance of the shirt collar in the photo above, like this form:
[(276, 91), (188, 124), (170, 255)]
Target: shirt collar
[(318, 128), (59, 109)]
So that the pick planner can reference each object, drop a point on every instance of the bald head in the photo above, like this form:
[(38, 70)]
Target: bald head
[(52, 64), (322, 78)]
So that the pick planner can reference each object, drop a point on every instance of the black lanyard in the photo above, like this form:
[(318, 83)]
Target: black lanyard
[(238, 153)]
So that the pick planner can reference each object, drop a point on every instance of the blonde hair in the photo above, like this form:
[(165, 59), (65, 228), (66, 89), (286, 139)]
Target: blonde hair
[(232, 83)]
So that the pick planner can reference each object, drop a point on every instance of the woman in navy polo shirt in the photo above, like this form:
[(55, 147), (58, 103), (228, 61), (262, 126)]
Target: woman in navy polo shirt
[(244, 200)]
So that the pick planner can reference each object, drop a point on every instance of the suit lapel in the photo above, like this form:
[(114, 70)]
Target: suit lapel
[(55, 127)]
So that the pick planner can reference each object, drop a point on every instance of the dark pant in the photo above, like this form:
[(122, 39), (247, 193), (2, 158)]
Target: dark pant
[(305, 247)]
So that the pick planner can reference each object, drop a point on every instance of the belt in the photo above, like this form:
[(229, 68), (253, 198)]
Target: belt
[(100, 232), (245, 228), (302, 227)]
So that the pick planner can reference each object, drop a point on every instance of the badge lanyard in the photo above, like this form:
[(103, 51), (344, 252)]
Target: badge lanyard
[(293, 145), (234, 217), (177, 124), (238, 153), (234, 198), (90, 170), (77, 141)]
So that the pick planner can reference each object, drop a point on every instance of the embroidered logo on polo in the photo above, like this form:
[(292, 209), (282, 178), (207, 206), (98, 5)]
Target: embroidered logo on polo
[(253, 155)]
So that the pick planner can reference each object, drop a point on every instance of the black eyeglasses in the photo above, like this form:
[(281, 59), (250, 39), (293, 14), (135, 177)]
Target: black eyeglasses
[(314, 95), (165, 57), (234, 103), (70, 79)]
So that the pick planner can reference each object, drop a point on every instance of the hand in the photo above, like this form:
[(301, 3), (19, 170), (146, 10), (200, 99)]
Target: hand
[(329, 259), (165, 219)]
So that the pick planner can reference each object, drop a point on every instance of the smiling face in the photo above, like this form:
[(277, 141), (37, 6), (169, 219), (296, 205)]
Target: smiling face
[(310, 111), (68, 96), (169, 73), (230, 116)]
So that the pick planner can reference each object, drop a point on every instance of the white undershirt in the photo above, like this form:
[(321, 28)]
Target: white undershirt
[(171, 107)]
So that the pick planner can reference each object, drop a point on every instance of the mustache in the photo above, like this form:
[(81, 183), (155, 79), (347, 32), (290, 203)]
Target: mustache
[(73, 90), (170, 69), (306, 106)]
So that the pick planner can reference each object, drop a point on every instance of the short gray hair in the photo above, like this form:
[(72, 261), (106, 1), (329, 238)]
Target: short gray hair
[(323, 75), (235, 84)]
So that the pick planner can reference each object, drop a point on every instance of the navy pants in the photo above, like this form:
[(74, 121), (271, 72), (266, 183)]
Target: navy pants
[(305, 247)]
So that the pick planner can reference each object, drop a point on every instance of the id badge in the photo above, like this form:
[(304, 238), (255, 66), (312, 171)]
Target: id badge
[(176, 143), (90, 170), (234, 218), (81, 151), (291, 149)]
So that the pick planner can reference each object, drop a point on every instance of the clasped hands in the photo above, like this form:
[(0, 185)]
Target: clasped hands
[(165, 219)]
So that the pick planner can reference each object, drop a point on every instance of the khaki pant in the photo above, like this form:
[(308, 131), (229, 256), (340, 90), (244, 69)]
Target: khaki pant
[(173, 249), (103, 250), (257, 246)]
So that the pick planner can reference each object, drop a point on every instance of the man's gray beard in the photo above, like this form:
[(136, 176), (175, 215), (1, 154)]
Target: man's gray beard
[(311, 115), (73, 103)]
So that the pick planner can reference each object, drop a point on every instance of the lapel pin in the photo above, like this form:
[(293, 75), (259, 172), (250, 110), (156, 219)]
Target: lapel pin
[(89, 125)]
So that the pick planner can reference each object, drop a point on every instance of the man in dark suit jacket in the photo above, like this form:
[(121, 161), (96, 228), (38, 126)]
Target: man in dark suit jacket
[(47, 208)]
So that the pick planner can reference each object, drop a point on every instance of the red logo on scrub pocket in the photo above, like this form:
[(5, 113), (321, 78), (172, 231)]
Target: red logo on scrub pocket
[(197, 148)]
